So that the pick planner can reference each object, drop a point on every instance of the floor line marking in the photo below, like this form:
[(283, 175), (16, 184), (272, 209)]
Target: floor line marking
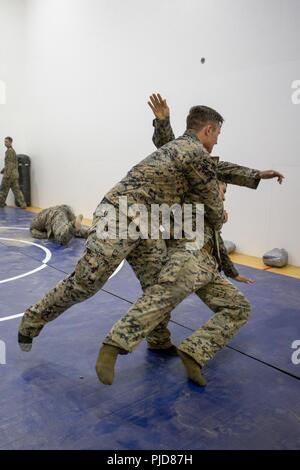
[(43, 265), (11, 317), (14, 228)]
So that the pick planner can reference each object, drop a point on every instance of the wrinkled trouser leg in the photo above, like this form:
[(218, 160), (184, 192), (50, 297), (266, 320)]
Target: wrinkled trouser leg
[(175, 282), (19, 197), (147, 261), (4, 189), (91, 273), (232, 311), (160, 336)]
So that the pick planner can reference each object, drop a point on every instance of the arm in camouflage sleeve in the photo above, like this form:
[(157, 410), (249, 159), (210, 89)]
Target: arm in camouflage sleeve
[(39, 221), (238, 175), (39, 235), (202, 178), (227, 265), (163, 132), (10, 162)]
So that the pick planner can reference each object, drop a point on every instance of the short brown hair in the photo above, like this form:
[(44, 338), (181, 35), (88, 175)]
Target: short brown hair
[(9, 138), (200, 116)]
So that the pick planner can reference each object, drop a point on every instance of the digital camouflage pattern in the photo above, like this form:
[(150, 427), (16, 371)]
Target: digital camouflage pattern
[(57, 223), (99, 261), (10, 180), (203, 279), (227, 172), (165, 176), (146, 261), (184, 272), (179, 168)]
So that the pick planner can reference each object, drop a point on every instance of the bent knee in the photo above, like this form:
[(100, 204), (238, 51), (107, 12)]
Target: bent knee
[(245, 307), (170, 290), (87, 278), (84, 286)]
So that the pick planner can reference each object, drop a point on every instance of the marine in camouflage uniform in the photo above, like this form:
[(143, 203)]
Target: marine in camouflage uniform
[(58, 224), (159, 338), (163, 177), (181, 273), (10, 178)]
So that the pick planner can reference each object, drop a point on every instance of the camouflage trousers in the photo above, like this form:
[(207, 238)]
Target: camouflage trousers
[(13, 184), (167, 277), (184, 272), (147, 260), (98, 262), (61, 229)]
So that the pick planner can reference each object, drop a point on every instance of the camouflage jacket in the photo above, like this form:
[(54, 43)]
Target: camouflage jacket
[(44, 221), (11, 164), (227, 172), (242, 176), (167, 175)]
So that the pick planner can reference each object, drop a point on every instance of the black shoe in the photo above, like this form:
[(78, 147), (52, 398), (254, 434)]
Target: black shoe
[(25, 342), (171, 351)]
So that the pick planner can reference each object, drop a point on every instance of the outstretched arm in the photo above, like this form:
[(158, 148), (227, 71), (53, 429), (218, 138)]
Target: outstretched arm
[(232, 173)]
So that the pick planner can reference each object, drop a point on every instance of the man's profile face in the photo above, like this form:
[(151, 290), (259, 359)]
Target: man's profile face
[(212, 135), (7, 143)]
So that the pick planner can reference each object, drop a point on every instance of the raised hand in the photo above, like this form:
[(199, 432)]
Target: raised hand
[(159, 106)]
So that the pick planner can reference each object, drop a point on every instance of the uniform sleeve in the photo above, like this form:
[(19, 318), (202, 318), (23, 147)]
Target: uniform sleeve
[(39, 235), (163, 132), (10, 162), (39, 222), (203, 183), (238, 175), (227, 265)]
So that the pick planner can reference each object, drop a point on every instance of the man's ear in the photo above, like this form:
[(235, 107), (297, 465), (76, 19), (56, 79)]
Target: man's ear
[(210, 129), (207, 130)]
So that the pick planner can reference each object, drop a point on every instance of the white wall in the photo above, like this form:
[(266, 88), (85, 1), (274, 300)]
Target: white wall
[(91, 64), (12, 73)]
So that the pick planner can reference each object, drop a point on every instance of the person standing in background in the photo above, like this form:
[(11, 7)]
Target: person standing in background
[(10, 178)]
